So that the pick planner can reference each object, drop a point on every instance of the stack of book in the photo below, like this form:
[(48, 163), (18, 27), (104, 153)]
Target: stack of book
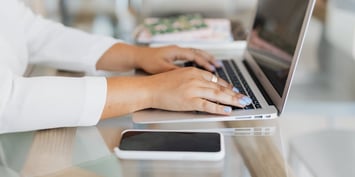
[(184, 28)]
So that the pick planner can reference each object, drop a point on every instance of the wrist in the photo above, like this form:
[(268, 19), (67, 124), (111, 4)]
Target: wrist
[(126, 95), (140, 54), (120, 57), (146, 89)]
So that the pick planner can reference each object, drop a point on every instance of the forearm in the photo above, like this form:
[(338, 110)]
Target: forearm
[(49, 102), (122, 57), (126, 95)]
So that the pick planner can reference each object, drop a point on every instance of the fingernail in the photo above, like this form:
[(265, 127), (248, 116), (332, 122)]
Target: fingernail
[(213, 68), (227, 109), (219, 63), (247, 99), (235, 90), (242, 102)]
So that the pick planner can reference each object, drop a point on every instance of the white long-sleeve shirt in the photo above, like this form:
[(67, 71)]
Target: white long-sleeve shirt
[(47, 102)]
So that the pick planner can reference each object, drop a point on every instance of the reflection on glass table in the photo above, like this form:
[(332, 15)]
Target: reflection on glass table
[(253, 148), (57, 152), (325, 153)]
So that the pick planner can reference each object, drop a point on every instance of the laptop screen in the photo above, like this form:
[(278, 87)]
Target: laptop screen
[(274, 38)]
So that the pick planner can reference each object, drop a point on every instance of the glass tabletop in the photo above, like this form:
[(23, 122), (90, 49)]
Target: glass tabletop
[(253, 148)]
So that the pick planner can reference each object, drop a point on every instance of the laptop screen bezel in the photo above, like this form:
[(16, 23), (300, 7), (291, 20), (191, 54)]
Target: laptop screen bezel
[(280, 101)]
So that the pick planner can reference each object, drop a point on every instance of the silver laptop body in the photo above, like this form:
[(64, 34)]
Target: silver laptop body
[(268, 63)]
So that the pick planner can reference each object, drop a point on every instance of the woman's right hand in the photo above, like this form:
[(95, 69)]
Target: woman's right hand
[(182, 89), (192, 89)]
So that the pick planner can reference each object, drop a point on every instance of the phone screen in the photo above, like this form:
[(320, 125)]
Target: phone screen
[(171, 141)]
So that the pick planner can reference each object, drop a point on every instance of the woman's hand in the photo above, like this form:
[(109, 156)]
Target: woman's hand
[(161, 59), (191, 89), (184, 89), (125, 57)]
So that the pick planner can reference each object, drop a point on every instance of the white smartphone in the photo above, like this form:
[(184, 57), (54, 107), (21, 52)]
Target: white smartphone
[(170, 145)]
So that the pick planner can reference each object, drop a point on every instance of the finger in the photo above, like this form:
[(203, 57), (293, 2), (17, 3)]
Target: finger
[(203, 61), (210, 107), (221, 96), (189, 54), (209, 57), (208, 77), (224, 83), (166, 66), (163, 67), (225, 88)]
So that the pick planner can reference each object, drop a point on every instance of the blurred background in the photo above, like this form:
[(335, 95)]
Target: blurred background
[(320, 112), (119, 18)]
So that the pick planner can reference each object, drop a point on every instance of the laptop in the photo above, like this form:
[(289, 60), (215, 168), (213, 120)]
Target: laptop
[(265, 70)]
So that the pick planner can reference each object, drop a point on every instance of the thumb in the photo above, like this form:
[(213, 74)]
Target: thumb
[(162, 67), (168, 67)]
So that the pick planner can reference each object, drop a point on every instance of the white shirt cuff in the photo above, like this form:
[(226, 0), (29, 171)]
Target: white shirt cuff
[(96, 92)]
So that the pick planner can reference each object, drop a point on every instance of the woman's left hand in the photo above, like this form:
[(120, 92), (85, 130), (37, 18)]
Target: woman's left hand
[(124, 57), (161, 59)]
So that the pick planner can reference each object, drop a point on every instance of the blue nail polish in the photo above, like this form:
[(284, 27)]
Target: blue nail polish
[(213, 68), (247, 100), (227, 109), (220, 64), (242, 102), (235, 90)]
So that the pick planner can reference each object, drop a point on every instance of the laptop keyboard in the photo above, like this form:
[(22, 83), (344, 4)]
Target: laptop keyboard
[(232, 74)]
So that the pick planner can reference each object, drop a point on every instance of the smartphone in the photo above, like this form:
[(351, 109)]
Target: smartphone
[(170, 145)]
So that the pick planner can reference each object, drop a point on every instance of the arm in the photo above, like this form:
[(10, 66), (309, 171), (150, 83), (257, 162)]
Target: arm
[(55, 45), (66, 48), (123, 57), (49, 102), (46, 102)]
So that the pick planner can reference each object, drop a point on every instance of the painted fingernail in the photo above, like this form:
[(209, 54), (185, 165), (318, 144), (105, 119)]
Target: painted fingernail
[(219, 63), (227, 109), (247, 99), (235, 90), (242, 102), (213, 68)]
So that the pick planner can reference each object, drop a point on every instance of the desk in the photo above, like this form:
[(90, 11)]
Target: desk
[(87, 151), (253, 148)]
